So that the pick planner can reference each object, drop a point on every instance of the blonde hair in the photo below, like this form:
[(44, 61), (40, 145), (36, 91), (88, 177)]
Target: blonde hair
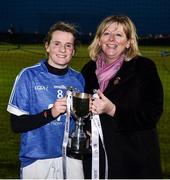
[(129, 29)]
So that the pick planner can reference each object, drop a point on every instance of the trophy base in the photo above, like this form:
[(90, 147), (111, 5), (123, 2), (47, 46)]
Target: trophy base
[(78, 152)]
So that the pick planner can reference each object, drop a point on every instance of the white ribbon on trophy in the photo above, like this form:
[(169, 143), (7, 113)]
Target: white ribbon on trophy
[(96, 133), (66, 132)]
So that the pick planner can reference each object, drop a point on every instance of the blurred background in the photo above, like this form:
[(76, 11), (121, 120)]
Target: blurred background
[(23, 25), (34, 17)]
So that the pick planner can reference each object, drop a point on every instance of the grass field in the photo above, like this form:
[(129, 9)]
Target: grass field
[(14, 58)]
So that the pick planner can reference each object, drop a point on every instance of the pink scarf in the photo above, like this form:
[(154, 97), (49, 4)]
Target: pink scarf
[(105, 72)]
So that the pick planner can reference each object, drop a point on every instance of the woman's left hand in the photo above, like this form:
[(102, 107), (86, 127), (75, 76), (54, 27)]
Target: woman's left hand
[(102, 105)]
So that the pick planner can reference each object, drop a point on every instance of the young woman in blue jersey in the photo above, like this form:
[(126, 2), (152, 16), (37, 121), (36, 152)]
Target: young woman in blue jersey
[(37, 105)]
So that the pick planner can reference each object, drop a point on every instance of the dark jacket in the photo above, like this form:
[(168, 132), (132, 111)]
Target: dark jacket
[(130, 136)]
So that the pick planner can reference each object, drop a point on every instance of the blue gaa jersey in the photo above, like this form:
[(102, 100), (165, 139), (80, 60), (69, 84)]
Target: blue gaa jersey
[(35, 90)]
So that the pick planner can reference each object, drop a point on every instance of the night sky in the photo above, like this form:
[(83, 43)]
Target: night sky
[(28, 16)]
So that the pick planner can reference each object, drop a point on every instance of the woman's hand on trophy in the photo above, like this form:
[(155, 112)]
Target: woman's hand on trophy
[(102, 105), (59, 107)]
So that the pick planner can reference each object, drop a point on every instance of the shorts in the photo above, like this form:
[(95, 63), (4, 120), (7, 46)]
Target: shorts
[(53, 169)]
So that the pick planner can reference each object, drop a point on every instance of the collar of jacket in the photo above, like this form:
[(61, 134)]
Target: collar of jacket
[(126, 72)]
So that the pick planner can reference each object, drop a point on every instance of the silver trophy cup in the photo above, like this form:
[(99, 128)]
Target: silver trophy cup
[(79, 140)]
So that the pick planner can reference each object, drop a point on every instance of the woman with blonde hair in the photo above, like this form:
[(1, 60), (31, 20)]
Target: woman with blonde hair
[(130, 102)]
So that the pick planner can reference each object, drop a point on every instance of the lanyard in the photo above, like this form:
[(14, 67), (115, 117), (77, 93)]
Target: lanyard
[(66, 133), (96, 133)]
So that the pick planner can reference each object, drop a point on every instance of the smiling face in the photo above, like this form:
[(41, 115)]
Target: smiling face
[(60, 49), (113, 42)]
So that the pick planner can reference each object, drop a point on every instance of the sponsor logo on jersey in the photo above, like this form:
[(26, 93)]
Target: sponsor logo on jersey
[(41, 88), (60, 87)]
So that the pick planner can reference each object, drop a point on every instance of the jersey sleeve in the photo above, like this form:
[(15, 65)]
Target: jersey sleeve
[(20, 95)]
